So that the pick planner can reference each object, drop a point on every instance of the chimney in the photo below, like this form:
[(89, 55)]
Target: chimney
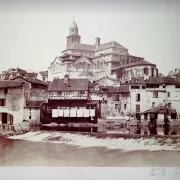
[(97, 41), (66, 78)]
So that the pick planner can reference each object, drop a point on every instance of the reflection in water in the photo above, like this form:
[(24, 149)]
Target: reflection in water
[(125, 130)]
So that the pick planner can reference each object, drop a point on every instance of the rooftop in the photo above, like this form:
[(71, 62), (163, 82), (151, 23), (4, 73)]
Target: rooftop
[(72, 85), (10, 84), (33, 81), (139, 63), (79, 46), (112, 44)]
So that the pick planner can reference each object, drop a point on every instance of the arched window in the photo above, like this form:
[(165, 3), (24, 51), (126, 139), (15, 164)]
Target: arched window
[(95, 66), (98, 65)]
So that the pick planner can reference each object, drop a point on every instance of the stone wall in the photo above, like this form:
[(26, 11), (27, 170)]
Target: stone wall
[(14, 103), (33, 112), (37, 95), (109, 110)]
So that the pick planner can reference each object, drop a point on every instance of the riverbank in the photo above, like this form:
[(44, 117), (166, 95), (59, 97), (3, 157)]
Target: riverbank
[(12, 130)]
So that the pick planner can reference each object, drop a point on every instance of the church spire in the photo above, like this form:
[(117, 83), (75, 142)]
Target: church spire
[(73, 36), (73, 30), (73, 25)]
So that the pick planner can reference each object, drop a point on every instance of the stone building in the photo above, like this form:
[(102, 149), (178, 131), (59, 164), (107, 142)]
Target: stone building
[(139, 69), (35, 94), (142, 95), (100, 59), (69, 101), (175, 73), (11, 102), (43, 76), (17, 72)]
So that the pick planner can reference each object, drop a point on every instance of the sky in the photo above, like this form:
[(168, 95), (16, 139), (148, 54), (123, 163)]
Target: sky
[(33, 33)]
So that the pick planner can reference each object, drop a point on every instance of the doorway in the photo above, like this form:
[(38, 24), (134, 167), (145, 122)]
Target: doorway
[(6, 118)]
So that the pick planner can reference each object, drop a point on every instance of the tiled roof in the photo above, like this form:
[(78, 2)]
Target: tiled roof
[(109, 78), (163, 80), (10, 84), (120, 89), (86, 73), (138, 81), (84, 47), (155, 80), (109, 45), (139, 63), (33, 81), (31, 74), (34, 103), (72, 85)]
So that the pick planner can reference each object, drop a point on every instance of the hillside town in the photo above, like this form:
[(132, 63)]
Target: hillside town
[(88, 83)]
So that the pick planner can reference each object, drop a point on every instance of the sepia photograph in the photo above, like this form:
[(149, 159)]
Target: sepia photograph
[(90, 84)]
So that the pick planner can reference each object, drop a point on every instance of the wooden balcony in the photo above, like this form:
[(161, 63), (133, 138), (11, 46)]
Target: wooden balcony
[(60, 97)]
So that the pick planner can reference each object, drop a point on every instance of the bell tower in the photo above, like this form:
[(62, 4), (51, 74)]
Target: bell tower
[(73, 36)]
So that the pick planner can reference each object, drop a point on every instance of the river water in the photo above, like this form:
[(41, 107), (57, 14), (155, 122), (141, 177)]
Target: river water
[(37, 149)]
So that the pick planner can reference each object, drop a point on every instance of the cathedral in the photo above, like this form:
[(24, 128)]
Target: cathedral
[(97, 61)]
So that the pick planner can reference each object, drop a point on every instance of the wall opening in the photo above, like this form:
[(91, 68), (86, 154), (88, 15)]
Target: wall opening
[(6, 118)]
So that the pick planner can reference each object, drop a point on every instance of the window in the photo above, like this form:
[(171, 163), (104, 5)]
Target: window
[(146, 71), (137, 108), (2, 102), (81, 93), (30, 117), (152, 85), (116, 98), (59, 92), (145, 116), (138, 97), (155, 94), (125, 106), (152, 72), (153, 104), (135, 87), (177, 86), (5, 91), (117, 106), (168, 94), (169, 105), (44, 78), (143, 87)]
